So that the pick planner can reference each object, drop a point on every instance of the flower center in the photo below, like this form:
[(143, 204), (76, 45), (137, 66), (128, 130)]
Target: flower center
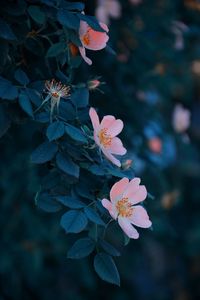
[(55, 95), (124, 208), (86, 39), (104, 138)]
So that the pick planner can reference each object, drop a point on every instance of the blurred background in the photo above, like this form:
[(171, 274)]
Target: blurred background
[(152, 82)]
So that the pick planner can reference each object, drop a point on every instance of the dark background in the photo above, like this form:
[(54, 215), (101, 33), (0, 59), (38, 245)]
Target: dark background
[(163, 263)]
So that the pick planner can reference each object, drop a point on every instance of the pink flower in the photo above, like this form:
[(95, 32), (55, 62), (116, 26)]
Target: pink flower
[(91, 39), (107, 9), (124, 195), (135, 2), (105, 136)]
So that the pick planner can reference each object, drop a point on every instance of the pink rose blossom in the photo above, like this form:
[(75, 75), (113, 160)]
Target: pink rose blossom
[(107, 9), (124, 195), (181, 118), (91, 39), (105, 136)]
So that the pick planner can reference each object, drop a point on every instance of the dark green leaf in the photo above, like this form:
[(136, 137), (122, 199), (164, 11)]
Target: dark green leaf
[(110, 249), (47, 203), (55, 49), (67, 165), (70, 202), (105, 267), (92, 21), (80, 97), (44, 152), (7, 90), (74, 6), (74, 221), (21, 77), (75, 133), (25, 103), (36, 14), (55, 130), (68, 19), (93, 216), (81, 248), (5, 120), (6, 32)]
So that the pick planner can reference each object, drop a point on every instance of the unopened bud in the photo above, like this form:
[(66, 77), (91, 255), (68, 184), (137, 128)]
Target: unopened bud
[(127, 164)]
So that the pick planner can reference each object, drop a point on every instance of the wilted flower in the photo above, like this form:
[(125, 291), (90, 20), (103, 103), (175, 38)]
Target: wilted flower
[(107, 9), (56, 91), (105, 136), (181, 118), (124, 195), (92, 39)]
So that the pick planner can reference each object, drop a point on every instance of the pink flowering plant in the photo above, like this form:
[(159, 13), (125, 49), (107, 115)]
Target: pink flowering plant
[(80, 158)]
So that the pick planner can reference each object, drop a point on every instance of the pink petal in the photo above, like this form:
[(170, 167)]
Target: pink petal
[(101, 14), (115, 128), (110, 157), (83, 28), (107, 121), (96, 40), (118, 189), (110, 207), (117, 147), (126, 226), (140, 217), (94, 118), (135, 192), (83, 54), (132, 187)]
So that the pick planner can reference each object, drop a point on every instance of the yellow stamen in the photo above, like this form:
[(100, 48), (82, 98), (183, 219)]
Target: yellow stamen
[(104, 138), (124, 208), (86, 39)]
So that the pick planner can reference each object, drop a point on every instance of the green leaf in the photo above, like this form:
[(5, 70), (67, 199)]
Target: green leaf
[(70, 202), (47, 203), (36, 14), (68, 19), (80, 97), (75, 133), (5, 120), (25, 103), (75, 6), (93, 216), (81, 248), (6, 32), (21, 77), (91, 21), (55, 49), (7, 90), (55, 130), (44, 152), (105, 267), (67, 165), (110, 249), (74, 221)]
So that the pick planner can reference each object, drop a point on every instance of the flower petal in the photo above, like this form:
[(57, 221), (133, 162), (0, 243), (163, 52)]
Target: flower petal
[(83, 54), (126, 226), (118, 189), (107, 121), (115, 128), (96, 40), (117, 147), (110, 207), (132, 187), (110, 157), (135, 192), (94, 118), (140, 217)]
